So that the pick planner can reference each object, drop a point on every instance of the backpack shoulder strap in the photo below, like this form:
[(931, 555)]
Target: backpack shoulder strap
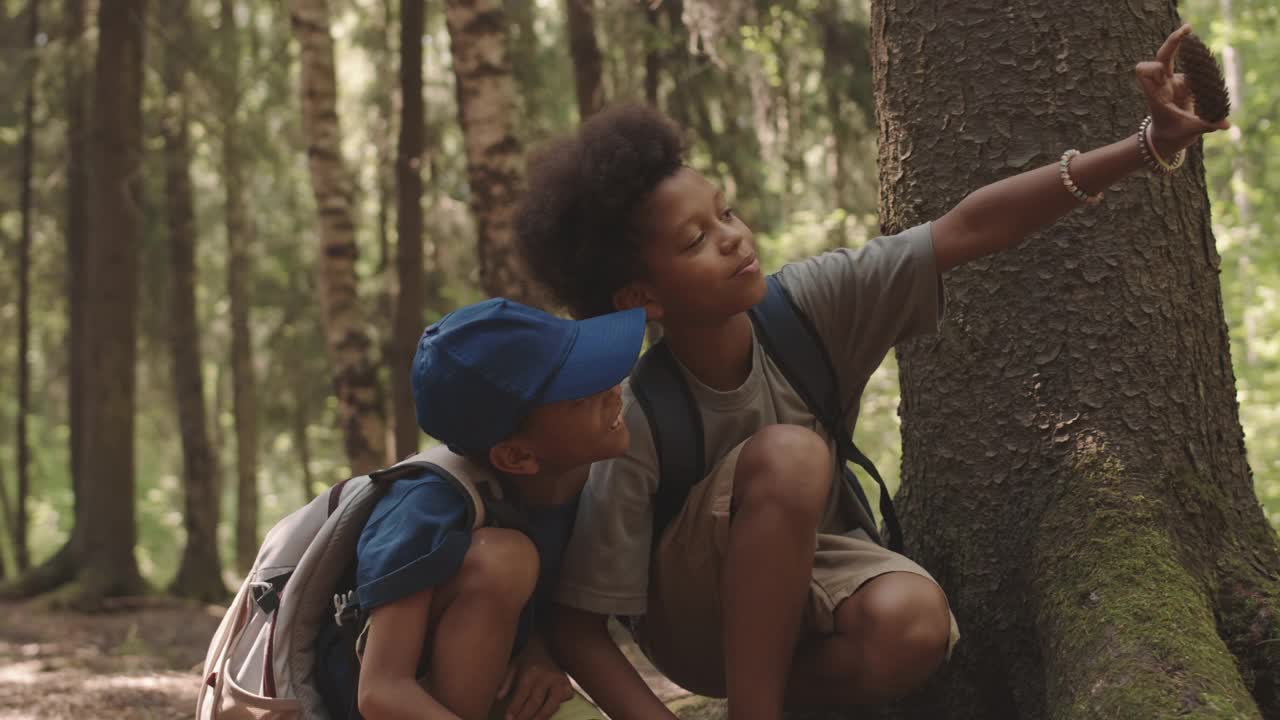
[(473, 480), (676, 425), (791, 339)]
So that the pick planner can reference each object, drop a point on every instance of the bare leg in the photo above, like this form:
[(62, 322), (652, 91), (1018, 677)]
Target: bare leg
[(890, 636), (781, 484), (474, 620)]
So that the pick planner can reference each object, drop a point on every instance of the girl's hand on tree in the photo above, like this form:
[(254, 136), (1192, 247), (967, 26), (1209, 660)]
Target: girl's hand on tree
[(1174, 124)]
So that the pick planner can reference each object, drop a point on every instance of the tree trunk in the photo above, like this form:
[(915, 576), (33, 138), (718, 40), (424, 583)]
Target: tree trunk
[(1074, 471), (409, 301), (79, 188), (355, 379), (200, 572), (240, 234), (6, 516), (531, 78), (477, 34), (107, 565), (587, 62), (652, 57), (303, 444), (62, 566), (22, 553)]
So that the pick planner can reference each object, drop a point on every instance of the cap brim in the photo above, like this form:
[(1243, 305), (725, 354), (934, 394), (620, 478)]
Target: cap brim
[(603, 353)]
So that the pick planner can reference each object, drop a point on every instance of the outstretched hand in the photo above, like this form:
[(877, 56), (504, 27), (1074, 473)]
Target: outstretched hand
[(1174, 124)]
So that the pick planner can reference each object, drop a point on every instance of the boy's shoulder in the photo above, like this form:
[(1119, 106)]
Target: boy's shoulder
[(415, 538)]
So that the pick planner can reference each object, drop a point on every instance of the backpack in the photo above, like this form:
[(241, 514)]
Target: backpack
[(789, 337), (261, 660)]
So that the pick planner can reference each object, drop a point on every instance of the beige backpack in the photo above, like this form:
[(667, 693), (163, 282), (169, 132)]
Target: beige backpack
[(261, 661)]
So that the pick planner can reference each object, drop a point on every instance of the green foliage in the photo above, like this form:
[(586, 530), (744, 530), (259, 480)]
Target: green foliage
[(1244, 187)]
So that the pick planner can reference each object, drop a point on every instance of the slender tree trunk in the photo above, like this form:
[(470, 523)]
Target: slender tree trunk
[(303, 444), (79, 187), (652, 57), (355, 378), (240, 234), (409, 301), (6, 514), (477, 33), (107, 564), (1074, 470), (62, 566), (384, 299), (587, 61), (200, 572), (22, 553), (530, 75)]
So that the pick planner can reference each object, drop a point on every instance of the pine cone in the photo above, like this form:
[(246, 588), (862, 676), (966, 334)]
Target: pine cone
[(1204, 78)]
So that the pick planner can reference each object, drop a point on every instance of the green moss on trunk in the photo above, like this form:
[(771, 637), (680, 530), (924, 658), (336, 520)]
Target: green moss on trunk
[(1127, 630)]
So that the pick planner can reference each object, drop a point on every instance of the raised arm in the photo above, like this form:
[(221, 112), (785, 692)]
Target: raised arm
[(1003, 213)]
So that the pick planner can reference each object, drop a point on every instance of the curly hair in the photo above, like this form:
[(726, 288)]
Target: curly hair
[(576, 226)]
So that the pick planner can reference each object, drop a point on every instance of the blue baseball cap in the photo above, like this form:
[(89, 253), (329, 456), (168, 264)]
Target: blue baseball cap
[(481, 369)]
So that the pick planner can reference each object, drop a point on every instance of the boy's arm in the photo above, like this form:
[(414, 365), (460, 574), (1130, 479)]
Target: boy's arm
[(535, 686), (1003, 213), (389, 688), (582, 642)]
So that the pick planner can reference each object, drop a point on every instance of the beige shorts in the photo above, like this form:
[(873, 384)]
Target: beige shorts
[(684, 594)]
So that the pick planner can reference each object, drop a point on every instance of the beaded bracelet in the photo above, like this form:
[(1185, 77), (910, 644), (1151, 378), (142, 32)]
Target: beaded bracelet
[(1064, 172), (1150, 156)]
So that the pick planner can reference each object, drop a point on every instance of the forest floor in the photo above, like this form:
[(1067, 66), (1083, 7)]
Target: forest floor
[(141, 661)]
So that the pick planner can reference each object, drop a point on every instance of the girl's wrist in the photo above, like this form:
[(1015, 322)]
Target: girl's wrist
[(1165, 145)]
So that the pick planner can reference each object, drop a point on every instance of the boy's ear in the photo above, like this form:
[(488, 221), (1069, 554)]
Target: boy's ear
[(636, 295), (513, 457)]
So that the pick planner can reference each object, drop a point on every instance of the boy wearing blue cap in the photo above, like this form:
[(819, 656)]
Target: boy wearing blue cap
[(534, 398)]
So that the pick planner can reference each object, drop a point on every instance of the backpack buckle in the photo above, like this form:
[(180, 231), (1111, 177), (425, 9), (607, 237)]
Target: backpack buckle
[(346, 608), (265, 596)]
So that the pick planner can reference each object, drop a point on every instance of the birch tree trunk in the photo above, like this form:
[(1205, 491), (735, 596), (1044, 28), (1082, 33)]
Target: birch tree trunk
[(486, 94), (355, 379)]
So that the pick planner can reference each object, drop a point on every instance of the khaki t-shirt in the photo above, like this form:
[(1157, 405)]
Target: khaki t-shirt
[(862, 303)]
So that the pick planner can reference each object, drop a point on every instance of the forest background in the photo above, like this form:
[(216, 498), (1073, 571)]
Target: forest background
[(778, 100)]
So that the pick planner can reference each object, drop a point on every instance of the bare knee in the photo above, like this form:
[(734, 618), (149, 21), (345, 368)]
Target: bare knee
[(501, 565), (906, 618), (786, 467)]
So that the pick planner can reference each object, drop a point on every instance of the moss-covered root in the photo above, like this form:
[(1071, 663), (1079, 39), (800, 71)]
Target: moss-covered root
[(1249, 619), (1125, 629)]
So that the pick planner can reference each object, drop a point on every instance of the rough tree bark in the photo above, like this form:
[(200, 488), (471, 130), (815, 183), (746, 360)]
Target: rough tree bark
[(106, 562), (409, 301), (588, 64), (200, 571), (355, 379), (1074, 469), (22, 552), (486, 91), (240, 234)]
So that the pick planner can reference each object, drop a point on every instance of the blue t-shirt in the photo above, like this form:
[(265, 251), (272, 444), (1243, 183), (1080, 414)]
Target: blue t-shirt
[(415, 539)]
